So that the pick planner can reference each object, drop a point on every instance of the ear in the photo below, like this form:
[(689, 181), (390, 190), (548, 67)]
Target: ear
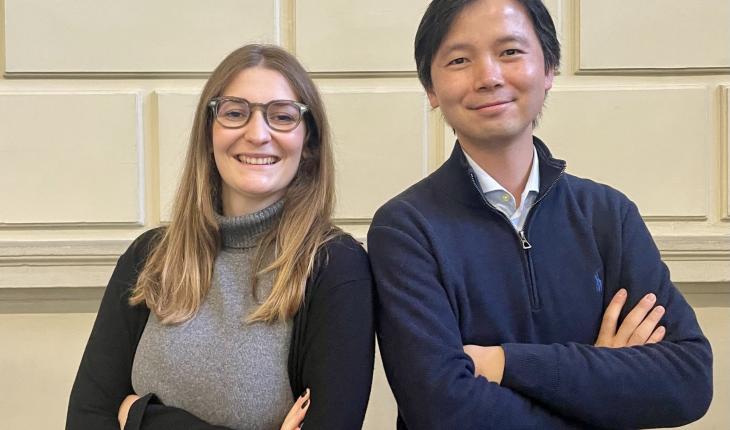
[(549, 77), (432, 99)]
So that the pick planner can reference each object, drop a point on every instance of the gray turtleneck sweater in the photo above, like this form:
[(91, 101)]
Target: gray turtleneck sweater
[(216, 366)]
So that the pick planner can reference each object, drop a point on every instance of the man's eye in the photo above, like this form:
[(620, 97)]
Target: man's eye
[(510, 52), (457, 61)]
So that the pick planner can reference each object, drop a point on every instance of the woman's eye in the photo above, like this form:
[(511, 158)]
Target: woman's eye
[(281, 118), (510, 52), (234, 114)]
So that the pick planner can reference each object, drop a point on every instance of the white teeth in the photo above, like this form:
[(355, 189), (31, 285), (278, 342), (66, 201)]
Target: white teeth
[(257, 160)]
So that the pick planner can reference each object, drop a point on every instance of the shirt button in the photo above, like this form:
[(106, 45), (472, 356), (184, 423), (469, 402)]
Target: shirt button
[(505, 197)]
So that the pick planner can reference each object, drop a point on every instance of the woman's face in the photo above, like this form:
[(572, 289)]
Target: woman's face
[(256, 163)]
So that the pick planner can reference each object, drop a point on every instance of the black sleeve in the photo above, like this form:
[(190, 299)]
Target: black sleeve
[(149, 413), (104, 377), (339, 343)]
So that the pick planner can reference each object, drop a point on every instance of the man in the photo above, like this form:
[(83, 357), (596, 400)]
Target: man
[(500, 278)]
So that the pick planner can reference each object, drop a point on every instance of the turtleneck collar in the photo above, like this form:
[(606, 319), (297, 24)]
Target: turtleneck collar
[(244, 231)]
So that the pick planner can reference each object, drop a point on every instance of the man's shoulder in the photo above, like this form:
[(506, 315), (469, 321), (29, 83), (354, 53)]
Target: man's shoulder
[(601, 205), (414, 200), (590, 191)]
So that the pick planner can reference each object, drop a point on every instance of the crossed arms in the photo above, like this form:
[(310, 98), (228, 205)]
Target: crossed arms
[(664, 382)]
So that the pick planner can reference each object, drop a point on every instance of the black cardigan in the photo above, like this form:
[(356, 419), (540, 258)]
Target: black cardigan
[(331, 351)]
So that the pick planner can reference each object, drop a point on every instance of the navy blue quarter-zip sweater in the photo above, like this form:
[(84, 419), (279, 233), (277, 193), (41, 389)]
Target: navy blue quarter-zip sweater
[(450, 270)]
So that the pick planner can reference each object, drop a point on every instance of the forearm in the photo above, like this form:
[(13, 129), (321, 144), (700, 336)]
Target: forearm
[(147, 413), (655, 385), (464, 400)]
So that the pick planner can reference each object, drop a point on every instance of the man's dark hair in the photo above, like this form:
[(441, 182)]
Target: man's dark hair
[(439, 16)]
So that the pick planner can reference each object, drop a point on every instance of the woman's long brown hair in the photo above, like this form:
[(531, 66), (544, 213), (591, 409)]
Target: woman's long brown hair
[(178, 273)]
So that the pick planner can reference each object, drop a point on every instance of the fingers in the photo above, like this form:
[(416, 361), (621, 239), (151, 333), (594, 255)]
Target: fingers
[(297, 412), (634, 319), (642, 333), (124, 409), (610, 318), (658, 335)]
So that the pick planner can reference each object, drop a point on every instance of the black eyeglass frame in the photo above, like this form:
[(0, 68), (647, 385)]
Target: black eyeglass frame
[(263, 107)]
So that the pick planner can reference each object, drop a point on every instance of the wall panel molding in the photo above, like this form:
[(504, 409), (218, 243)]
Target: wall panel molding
[(59, 252), (27, 265), (363, 74), (725, 153), (72, 151)]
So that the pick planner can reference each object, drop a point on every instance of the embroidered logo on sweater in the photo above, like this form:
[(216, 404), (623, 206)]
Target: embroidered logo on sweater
[(598, 283)]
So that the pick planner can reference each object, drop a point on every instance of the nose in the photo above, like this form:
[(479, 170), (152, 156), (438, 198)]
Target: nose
[(257, 131), (488, 74)]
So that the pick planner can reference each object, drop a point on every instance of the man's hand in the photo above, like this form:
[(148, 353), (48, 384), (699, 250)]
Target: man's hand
[(488, 361), (638, 328), (294, 418), (124, 409)]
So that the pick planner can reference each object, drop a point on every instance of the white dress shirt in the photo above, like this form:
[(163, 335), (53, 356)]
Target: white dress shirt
[(502, 199)]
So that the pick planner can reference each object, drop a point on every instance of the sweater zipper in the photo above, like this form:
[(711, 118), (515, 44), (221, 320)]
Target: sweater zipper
[(522, 237)]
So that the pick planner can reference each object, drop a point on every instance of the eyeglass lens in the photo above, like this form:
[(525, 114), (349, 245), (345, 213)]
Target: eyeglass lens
[(279, 115)]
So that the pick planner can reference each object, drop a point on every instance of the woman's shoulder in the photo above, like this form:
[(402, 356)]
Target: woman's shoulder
[(141, 247), (343, 259)]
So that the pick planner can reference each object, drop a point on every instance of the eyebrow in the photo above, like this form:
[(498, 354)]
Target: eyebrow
[(513, 38), (519, 38)]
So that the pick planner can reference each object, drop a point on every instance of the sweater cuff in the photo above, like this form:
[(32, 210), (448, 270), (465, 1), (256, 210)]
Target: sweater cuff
[(531, 369), (136, 411)]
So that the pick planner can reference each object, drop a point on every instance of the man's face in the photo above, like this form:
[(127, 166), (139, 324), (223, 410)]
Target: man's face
[(489, 74)]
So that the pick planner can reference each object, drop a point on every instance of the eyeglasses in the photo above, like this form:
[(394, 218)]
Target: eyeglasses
[(279, 115)]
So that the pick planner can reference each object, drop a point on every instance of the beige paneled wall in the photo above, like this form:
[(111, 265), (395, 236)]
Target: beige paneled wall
[(372, 36), (630, 135), (673, 35), (53, 142), (97, 98), (133, 36)]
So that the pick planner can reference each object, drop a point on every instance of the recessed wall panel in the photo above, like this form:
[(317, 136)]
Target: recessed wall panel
[(70, 158), (654, 34), (40, 357), (175, 120), (380, 147), (651, 143), (342, 36), (105, 36)]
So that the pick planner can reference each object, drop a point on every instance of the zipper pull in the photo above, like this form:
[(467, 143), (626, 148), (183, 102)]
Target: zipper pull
[(523, 239)]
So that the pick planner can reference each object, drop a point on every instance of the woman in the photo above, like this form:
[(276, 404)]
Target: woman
[(250, 310)]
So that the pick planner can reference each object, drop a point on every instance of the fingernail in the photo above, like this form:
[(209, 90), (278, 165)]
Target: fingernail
[(621, 292), (659, 310), (650, 297), (304, 405)]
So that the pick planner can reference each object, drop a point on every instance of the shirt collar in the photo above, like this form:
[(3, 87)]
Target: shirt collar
[(488, 183)]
